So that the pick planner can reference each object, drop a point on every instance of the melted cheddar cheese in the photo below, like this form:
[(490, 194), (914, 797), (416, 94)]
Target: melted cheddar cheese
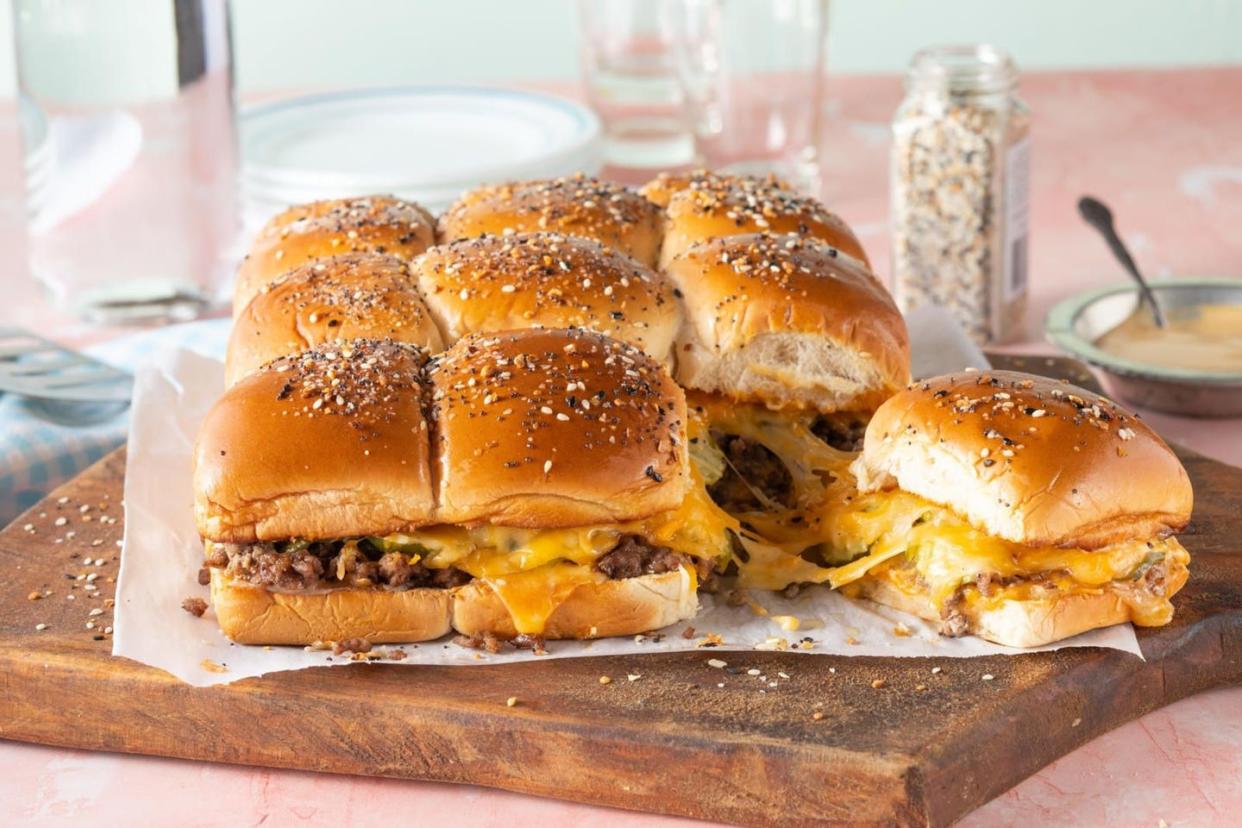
[(533, 571), (916, 545)]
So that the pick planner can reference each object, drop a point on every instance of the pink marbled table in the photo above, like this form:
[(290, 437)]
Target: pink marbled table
[(1165, 149)]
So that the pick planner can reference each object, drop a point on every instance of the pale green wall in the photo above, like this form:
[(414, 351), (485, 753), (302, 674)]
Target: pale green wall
[(317, 43)]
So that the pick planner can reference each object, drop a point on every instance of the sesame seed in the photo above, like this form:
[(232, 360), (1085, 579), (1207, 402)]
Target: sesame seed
[(988, 676), (717, 663), (605, 680), (511, 701)]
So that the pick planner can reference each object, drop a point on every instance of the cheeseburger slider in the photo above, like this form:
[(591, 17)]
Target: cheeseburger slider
[(371, 224), (533, 482), (1013, 507), (300, 471), (705, 205), (788, 347), (548, 280), (355, 295), (612, 215)]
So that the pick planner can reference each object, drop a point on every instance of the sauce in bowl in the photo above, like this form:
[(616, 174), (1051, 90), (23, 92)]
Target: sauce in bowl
[(1195, 338)]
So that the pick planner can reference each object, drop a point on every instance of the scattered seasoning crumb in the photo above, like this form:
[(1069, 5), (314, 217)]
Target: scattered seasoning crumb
[(935, 671), (988, 676), (512, 701), (817, 715), (1076, 722), (920, 687), (61, 521), (605, 680), (902, 631), (753, 671), (851, 640), (40, 627), (717, 663), (633, 676), (194, 606), (212, 667), (710, 640), (878, 683), (688, 632), (34, 596)]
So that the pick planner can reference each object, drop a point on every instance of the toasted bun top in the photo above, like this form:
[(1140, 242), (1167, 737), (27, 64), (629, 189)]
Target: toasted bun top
[(661, 189), (710, 206), (547, 428), (613, 215), (842, 343), (372, 224), (356, 295), (525, 280), (328, 443), (1027, 459)]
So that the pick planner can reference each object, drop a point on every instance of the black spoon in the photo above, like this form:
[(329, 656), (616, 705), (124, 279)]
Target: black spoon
[(1097, 214)]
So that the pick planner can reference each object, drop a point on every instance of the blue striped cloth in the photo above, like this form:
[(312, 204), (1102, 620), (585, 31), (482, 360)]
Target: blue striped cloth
[(37, 456)]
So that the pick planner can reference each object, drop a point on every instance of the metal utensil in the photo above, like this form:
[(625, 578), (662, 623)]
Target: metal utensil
[(1097, 214), (63, 386), (1076, 323)]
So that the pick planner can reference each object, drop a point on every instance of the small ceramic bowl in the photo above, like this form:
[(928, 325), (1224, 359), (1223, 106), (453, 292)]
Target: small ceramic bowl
[(1076, 323)]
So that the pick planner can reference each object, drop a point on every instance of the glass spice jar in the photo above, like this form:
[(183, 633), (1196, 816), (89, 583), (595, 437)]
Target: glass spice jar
[(960, 173)]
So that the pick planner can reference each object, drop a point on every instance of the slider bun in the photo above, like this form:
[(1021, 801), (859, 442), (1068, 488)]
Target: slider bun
[(252, 615), (371, 224), (286, 453), (1084, 472), (610, 214), (498, 283), (1031, 622), (555, 428), (621, 607), (711, 206), (786, 321), (356, 295)]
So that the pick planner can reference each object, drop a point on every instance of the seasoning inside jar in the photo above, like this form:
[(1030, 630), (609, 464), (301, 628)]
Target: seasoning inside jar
[(1197, 338), (960, 170)]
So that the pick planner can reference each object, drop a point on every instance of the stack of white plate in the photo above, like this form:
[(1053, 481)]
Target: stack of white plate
[(425, 143)]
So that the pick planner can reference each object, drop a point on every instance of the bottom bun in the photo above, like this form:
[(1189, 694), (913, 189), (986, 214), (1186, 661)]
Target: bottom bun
[(253, 615), (1016, 623), (622, 607)]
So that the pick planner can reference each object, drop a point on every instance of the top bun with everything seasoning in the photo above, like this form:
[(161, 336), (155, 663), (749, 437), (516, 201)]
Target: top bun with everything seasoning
[(326, 443), (612, 215), (556, 428), (547, 280), (786, 321), (370, 224), (707, 205), (356, 295), (1018, 508)]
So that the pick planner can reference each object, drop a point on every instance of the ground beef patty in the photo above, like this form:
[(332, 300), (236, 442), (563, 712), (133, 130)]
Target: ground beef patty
[(843, 432), (317, 565), (751, 467), (633, 557)]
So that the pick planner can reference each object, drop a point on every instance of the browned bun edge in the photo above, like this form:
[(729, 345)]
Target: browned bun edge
[(252, 615), (623, 607), (1022, 623)]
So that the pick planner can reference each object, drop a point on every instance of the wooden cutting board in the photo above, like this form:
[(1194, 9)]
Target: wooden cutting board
[(924, 747)]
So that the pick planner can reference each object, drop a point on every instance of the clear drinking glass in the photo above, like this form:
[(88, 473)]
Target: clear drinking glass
[(753, 75), (629, 66), (131, 154)]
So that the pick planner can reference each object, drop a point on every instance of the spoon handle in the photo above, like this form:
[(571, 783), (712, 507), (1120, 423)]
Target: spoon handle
[(1101, 218)]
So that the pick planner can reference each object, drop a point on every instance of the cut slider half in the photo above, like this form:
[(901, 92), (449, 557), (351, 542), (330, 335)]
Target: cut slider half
[(1016, 508)]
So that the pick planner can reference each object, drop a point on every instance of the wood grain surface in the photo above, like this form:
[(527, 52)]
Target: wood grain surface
[(923, 748)]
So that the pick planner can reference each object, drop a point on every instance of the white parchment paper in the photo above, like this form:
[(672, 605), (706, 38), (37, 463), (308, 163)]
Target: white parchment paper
[(162, 554)]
